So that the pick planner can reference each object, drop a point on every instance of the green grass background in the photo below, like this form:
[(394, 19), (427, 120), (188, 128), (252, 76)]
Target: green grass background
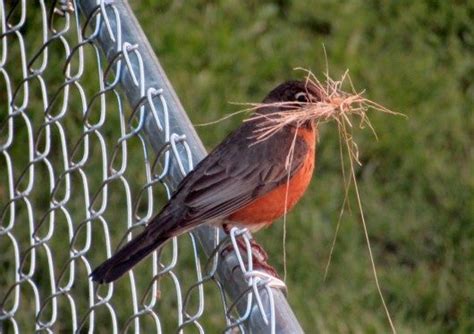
[(416, 182)]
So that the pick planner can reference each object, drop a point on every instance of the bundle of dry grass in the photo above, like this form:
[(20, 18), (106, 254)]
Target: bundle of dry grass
[(334, 104)]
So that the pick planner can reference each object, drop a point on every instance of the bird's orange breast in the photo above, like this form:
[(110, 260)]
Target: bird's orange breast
[(271, 206)]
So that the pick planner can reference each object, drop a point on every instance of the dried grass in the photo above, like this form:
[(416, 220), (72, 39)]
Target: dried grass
[(335, 104)]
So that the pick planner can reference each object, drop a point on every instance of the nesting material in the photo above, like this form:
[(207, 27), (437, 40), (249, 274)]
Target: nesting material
[(334, 103)]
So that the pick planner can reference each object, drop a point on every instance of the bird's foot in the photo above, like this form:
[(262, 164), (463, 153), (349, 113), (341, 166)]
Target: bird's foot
[(258, 252), (264, 266), (260, 266), (259, 255)]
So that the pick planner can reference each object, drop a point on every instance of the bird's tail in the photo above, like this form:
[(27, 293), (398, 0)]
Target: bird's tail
[(129, 255)]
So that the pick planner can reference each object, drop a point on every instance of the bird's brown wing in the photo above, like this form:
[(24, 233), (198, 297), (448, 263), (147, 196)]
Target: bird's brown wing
[(236, 173)]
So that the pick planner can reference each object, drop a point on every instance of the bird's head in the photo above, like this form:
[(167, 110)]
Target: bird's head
[(294, 91), (288, 96)]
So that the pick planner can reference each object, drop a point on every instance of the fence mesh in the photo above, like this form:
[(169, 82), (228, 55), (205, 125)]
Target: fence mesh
[(90, 150)]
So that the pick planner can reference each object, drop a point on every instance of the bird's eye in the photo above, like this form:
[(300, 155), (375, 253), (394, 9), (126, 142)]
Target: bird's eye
[(301, 97)]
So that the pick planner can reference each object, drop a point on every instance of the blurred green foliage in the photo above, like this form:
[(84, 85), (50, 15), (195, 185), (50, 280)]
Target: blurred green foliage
[(416, 181)]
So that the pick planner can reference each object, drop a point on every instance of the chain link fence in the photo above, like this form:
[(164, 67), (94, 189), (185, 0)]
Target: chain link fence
[(93, 140)]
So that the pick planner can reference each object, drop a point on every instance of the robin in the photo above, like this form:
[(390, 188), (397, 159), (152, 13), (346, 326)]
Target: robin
[(242, 182)]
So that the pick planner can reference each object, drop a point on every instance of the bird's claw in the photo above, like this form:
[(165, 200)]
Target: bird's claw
[(259, 256)]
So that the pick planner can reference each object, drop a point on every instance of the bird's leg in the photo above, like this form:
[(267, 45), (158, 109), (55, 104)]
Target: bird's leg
[(259, 255), (257, 249)]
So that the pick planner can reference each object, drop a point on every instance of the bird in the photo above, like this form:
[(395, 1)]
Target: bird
[(243, 182)]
